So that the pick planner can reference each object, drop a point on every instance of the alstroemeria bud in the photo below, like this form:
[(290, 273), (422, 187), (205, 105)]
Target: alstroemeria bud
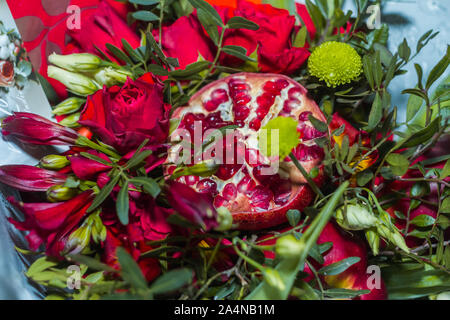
[(78, 240), (77, 62), (355, 217), (32, 128), (224, 218), (29, 178), (273, 278), (112, 76), (69, 105), (393, 235), (288, 247), (76, 83), (60, 193), (54, 162), (71, 121)]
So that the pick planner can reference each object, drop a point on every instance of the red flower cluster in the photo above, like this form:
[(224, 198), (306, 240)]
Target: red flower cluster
[(185, 39)]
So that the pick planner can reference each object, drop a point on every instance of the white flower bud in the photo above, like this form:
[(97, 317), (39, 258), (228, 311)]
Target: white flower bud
[(4, 40), (77, 62), (76, 83), (355, 217)]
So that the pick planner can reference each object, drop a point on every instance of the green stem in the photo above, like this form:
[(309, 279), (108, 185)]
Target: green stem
[(85, 142), (311, 182)]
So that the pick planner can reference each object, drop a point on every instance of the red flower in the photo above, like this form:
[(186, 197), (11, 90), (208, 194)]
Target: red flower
[(273, 38), (32, 128), (124, 117), (85, 168), (29, 178), (195, 207), (185, 40), (344, 246), (52, 223), (101, 26)]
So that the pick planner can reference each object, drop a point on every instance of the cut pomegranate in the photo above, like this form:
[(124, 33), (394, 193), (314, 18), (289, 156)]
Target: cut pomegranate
[(255, 197)]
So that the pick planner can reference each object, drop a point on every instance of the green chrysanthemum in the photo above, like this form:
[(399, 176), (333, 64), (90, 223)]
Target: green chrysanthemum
[(336, 63)]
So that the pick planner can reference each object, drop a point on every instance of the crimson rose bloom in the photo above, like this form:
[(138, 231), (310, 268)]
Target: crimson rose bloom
[(124, 117), (273, 38)]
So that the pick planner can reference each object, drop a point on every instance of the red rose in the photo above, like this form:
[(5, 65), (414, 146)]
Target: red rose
[(124, 117), (273, 38), (185, 40), (101, 26)]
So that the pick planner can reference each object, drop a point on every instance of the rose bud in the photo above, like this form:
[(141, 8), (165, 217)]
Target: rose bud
[(60, 193), (54, 162), (76, 83), (6, 74), (69, 105), (32, 128), (112, 76), (29, 178), (76, 62), (71, 121)]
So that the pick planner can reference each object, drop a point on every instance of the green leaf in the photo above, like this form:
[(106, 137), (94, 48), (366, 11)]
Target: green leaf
[(420, 136), (144, 15), (445, 207), (123, 204), (317, 124), (209, 9), (118, 53), (91, 263), (363, 177), (399, 163), (423, 220), (40, 265), (241, 23), (137, 159), (445, 171), (104, 193), (300, 38), (209, 24), (368, 70), (376, 112), (438, 69), (338, 267), (191, 69), (130, 270), (341, 293), (145, 2), (150, 186), (238, 52), (404, 51), (413, 106), (289, 267), (293, 217), (172, 281)]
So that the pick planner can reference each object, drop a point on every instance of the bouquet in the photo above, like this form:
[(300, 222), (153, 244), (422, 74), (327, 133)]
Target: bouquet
[(236, 150)]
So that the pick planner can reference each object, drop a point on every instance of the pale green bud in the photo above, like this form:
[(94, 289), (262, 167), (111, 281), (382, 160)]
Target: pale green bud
[(60, 193), (393, 235), (71, 121), (224, 218), (355, 217), (77, 62), (54, 162), (288, 247), (76, 83), (273, 279), (112, 76), (68, 106), (78, 240)]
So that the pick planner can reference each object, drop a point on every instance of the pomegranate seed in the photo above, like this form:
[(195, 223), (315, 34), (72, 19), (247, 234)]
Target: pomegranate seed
[(191, 180), (255, 124), (219, 95), (211, 105), (241, 112), (306, 153), (290, 105), (265, 100), (310, 133), (238, 86), (295, 93), (261, 197), (220, 201), (261, 177), (229, 191), (243, 100), (304, 115), (227, 171), (207, 186), (189, 118), (253, 157), (246, 185), (270, 86), (281, 84)]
